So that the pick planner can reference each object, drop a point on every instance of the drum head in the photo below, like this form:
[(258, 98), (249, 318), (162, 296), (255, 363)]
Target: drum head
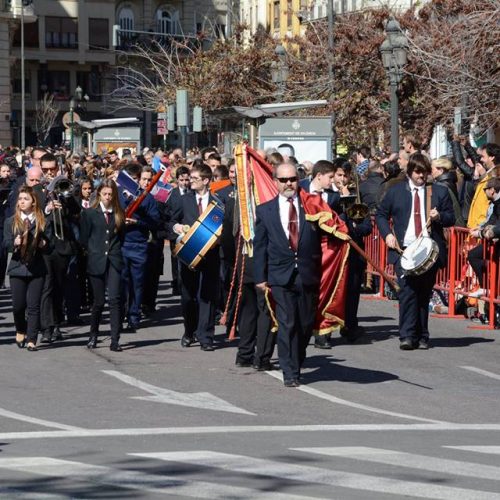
[(417, 253)]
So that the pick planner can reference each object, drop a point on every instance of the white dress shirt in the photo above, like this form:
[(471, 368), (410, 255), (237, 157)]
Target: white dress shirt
[(204, 200), (284, 207), (104, 209), (30, 217), (314, 190), (410, 235)]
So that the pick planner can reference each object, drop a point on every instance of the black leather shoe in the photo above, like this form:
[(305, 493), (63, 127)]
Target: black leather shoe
[(207, 347), (20, 343), (291, 383), (115, 348), (92, 343), (46, 337), (423, 344), (322, 344), (406, 345), (131, 328), (263, 367), (243, 364), (57, 334), (32, 348), (186, 341)]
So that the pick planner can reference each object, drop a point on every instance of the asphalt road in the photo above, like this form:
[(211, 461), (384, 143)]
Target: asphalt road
[(160, 421)]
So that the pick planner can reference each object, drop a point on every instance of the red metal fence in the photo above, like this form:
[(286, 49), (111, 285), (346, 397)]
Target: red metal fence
[(457, 279)]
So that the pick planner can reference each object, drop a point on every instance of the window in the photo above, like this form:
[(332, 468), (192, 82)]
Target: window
[(98, 33), (166, 22), (276, 14), (30, 35), (126, 19), (90, 83), (220, 31), (289, 13), (16, 86), (61, 32), (54, 82)]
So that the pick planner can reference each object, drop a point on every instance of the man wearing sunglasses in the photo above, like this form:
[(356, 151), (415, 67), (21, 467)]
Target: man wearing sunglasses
[(287, 258)]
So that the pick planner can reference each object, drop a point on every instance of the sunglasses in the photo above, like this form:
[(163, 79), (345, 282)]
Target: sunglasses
[(49, 169), (284, 180)]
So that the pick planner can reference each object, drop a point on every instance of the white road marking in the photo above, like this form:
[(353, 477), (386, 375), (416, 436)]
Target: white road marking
[(421, 462), (230, 429), (137, 480), (289, 471), (345, 402), (481, 372), (37, 421), (492, 450), (203, 400)]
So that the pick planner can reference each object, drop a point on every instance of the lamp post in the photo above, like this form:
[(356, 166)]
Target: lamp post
[(77, 97), (280, 70), (394, 57)]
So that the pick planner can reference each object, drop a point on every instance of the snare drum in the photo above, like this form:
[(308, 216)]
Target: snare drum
[(420, 256), (202, 236)]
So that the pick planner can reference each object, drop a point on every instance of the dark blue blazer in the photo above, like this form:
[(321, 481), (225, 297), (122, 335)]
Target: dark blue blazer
[(397, 205), (333, 196), (274, 260)]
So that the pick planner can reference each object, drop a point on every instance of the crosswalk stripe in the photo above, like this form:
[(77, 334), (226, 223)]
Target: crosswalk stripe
[(493, 450), (138, 480), (421, 462), (249, 465), (486, 373)]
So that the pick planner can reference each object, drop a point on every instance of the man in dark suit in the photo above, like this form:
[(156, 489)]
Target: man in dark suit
[(407, 204), (183, 187), (287, 258), (199, 288)]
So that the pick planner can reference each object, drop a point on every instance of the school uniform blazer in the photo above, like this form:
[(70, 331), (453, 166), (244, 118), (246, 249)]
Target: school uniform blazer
[(274, 260), (37, 266), (101, 241), (397, 205)]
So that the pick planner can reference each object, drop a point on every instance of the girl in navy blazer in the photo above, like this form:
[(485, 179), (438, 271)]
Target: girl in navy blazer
[(25, 235), (101, 234)]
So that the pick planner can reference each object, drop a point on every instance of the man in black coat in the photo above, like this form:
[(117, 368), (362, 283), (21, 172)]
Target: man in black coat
[(287, 258), (370, 189), (199, 288), (407, 205)]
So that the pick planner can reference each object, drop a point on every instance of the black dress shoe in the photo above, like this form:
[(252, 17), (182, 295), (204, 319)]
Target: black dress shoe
[(321, 343), (407, 345), (263, 367), (21, 343), (291, 383), (131, 328), (207, 347), (423, 344), (243, 364), (186, 341), (115, 348), (57, 334), (92, 343), (46, 337), (32, 348)]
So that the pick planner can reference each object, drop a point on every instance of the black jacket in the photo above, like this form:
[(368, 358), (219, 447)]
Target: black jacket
[(36, 267), (101, 241)]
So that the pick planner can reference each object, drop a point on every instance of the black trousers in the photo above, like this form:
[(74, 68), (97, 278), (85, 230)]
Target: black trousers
[(174, 264), (414, 298), (199, 294), (476, 259), (52, 312), (256, 344), (295, 312), (110, 280), (26, 295), (354, 282), (154, 269)]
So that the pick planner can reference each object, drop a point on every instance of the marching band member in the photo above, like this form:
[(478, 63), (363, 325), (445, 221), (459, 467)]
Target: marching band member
[(102, 229), (199, 288), (26, 236), (406, 204)]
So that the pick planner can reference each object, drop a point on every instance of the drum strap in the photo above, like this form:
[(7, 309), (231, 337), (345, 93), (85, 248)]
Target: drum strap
[(428, 198)]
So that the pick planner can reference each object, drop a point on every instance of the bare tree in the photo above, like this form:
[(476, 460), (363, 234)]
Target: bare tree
[(45, 117)]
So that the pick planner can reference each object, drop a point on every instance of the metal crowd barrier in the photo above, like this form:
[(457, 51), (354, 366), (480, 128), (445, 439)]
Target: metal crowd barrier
[(456, 280)]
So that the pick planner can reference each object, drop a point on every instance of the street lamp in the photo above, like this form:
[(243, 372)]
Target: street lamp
[(280, 69), (77, 97), (394, 57)]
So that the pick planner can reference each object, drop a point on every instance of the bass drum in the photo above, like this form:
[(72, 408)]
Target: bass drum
[(420, 256)]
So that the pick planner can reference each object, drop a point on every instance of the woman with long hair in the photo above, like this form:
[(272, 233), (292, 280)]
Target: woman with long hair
[(25, 235), (101, 234)]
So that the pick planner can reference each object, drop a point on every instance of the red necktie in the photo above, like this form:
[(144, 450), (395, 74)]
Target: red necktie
[(106, 216), (417, 215), (293, 234), (200, 206)]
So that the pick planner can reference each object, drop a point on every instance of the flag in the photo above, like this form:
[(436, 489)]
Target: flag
[(334, 241)]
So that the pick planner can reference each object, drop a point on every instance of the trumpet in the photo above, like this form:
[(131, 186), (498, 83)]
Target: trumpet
[(59, 189)]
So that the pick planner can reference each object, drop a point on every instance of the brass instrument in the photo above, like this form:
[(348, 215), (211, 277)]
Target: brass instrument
[(59, 189), (357, 211)]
